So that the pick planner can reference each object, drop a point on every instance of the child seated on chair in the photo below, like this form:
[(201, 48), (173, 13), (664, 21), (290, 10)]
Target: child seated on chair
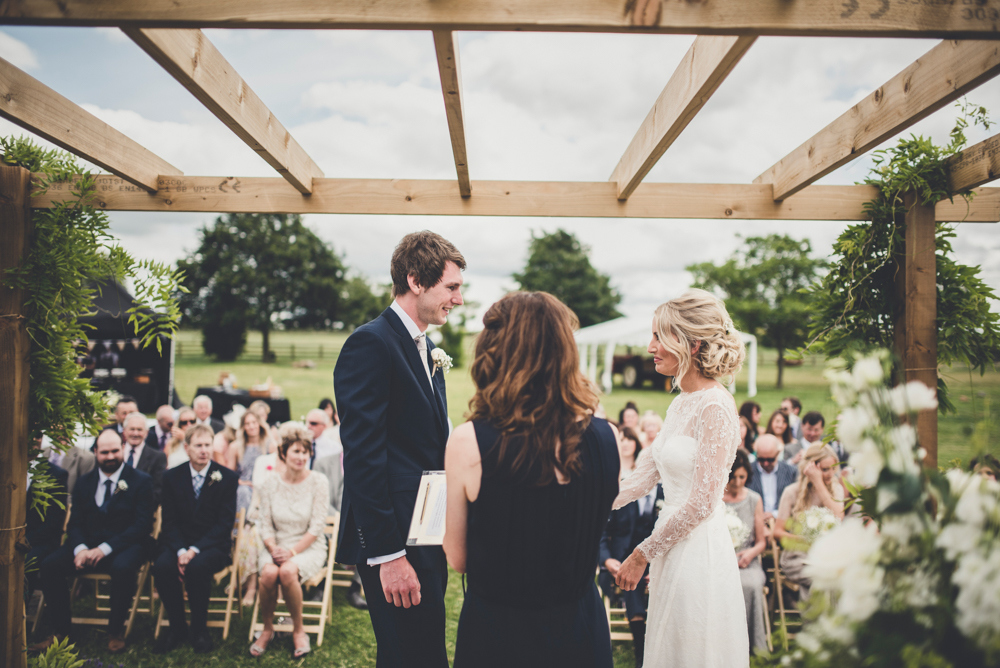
[(199, 506)]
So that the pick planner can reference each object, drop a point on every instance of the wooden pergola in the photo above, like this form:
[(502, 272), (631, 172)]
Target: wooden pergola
[(170, 32)]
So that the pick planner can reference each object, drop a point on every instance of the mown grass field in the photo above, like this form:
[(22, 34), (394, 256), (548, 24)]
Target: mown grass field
[(349, 639)]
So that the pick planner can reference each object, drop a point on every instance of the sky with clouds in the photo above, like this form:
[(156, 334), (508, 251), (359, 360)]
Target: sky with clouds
[(538, 106)]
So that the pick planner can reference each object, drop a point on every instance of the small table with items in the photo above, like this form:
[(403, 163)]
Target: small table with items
[(223, 401)]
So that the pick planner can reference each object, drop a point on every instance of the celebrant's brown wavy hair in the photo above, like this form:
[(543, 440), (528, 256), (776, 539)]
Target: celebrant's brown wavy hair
[(530, 388)]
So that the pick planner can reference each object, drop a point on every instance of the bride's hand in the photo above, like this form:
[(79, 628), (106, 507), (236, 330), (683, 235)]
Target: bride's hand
[(631, 571)]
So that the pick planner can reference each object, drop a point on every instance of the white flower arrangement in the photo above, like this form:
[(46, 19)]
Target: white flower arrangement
[(810, 525), (738, 530), (216, 476), (917, 581), (441, 359), (122, 486)]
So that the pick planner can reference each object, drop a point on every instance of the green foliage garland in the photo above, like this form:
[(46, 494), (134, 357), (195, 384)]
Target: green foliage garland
[(70, 250), (855, 305)]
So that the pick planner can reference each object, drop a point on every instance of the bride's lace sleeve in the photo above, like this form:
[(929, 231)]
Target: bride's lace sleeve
[(718, 434), (639, 482)]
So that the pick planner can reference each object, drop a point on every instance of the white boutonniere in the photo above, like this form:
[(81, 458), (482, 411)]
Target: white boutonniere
[(122, 486), (442, 360), (659, 505), (216, 476)]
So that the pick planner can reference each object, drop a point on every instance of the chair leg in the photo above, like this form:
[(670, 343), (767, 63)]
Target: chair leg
[(159, 622), (256, 608), (767, 623), (143, 575), (38, 613)]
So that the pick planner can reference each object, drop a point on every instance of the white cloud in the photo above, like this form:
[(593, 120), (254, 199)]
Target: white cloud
[(17, 52)]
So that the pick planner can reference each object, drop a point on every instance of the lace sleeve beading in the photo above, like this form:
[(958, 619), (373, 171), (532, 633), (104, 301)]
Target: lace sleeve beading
[(638, 483), (718, 435)]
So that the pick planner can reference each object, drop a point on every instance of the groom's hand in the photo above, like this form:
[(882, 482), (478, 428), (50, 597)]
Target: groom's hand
[(631, 571), (399, 583)]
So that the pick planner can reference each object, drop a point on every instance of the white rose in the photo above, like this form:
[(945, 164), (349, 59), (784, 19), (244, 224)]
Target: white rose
[(216, 476), (836, 552), (812, 522), (912, 398), (851, 425), (859, 596), (974, 506), (956, 539), (122, 486), (867, 372), (867, 464), (901, 455)]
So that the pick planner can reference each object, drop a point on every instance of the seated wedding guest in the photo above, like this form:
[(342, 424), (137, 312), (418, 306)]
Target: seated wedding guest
[(327, 406), (199, 507), (531, 473), (629, 416), (813, 426), (251, 442), (746, 435), (44, 526), (770, 476), (777, 425), (262, 409), (77, 462), (818, 486), (202, 406), (293, 510), (125, 406), (163, 430), (224, 439), (140, 457), (626, 528), (175, 451), (264, 467), (109, 526), (747, 504), (751, 410), (986, 465), (318, 423), (792, 407), (649, 426), (332, 466)]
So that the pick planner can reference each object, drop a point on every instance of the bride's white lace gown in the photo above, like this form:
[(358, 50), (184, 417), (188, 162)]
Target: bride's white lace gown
[(697, 616)]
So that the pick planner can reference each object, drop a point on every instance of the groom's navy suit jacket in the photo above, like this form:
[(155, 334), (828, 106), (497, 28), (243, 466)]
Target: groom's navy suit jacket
[(393, 427)]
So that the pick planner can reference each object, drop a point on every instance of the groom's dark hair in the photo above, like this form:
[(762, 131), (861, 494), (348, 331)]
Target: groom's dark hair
[(422, 255)]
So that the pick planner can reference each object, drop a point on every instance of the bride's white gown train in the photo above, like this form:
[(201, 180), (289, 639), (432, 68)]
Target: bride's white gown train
[(696, 613)]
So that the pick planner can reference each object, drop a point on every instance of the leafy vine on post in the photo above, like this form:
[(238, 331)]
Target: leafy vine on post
[(855, 305), (70, 251)]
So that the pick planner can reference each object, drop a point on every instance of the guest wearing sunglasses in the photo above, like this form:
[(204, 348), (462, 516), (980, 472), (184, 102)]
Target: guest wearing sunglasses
[(164, 430), (770, 477), (174, 449)]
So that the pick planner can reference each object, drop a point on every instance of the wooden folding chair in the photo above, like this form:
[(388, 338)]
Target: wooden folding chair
[(617, 618), (309, 612), (140, 599), (219, 616), (780, 584)]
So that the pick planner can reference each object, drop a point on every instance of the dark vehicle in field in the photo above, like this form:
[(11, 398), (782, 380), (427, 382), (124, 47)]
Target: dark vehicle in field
[(636, 370)]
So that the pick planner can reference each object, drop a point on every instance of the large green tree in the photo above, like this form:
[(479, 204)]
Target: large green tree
[(258, 271), (559, 264), (761, 283)]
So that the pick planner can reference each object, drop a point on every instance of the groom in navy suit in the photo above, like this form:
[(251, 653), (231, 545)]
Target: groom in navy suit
[(394, 426)]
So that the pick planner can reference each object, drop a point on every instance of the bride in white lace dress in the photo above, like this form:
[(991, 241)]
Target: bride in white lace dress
[(696, 613)]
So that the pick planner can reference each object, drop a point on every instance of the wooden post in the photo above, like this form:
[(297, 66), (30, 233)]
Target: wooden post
[(15, 229), (916, 326)]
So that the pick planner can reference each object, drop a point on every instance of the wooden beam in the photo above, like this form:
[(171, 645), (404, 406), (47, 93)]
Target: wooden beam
[(193, 60), (975, 165), (504, 198), (446, 48), (942, 75), (34, 106), (850, 18), (916, 325), (702, 70), (15, 230)]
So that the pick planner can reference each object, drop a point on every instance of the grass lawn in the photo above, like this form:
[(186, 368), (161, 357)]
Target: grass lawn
[(349, 640)]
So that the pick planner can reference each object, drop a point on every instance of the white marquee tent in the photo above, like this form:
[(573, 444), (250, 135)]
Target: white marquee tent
[(636, 332)]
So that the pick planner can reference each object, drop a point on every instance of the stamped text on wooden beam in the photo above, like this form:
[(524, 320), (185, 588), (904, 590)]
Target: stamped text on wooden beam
[(940, 76), (871, 18), (505, 198)]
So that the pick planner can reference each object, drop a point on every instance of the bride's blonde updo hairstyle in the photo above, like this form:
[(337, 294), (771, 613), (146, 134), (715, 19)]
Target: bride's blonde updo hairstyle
[(700, 317)]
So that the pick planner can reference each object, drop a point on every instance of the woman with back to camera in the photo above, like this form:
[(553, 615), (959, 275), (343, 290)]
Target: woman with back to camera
[(696, 611), (531, 478)]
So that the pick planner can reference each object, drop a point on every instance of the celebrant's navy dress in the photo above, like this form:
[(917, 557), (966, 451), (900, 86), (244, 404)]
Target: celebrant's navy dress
[(531, 558)]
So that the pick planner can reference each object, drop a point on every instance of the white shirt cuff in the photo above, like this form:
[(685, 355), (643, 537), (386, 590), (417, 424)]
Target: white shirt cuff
[(105, 548), (79, 548), (375, 561), (195, 550)]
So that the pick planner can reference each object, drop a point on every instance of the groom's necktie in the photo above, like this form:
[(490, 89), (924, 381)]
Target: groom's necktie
[(422, 349)]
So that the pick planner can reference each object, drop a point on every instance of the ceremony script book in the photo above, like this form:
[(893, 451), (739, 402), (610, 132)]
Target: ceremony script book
[(427, 525)]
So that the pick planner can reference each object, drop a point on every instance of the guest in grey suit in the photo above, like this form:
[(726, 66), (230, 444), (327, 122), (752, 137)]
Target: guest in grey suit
[(77, 462), (770, 477), (142, 457)]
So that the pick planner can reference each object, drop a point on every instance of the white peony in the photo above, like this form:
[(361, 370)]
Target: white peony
[(901, 457), (912, 398), (867, 372), (867, 464), (957, 539), (978, 601), (901, 528), (859, 594), (851, 425), (838, 551)]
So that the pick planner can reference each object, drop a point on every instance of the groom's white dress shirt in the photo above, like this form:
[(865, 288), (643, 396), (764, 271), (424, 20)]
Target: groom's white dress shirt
[(414, 332)]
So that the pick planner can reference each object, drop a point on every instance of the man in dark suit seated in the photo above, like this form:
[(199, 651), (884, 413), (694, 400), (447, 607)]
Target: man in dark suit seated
[(163, 430), (199, 507), (126, 405), (108, 532), (202, 406), (770, 476), (44, 529), (140, 456), (627, 527)]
